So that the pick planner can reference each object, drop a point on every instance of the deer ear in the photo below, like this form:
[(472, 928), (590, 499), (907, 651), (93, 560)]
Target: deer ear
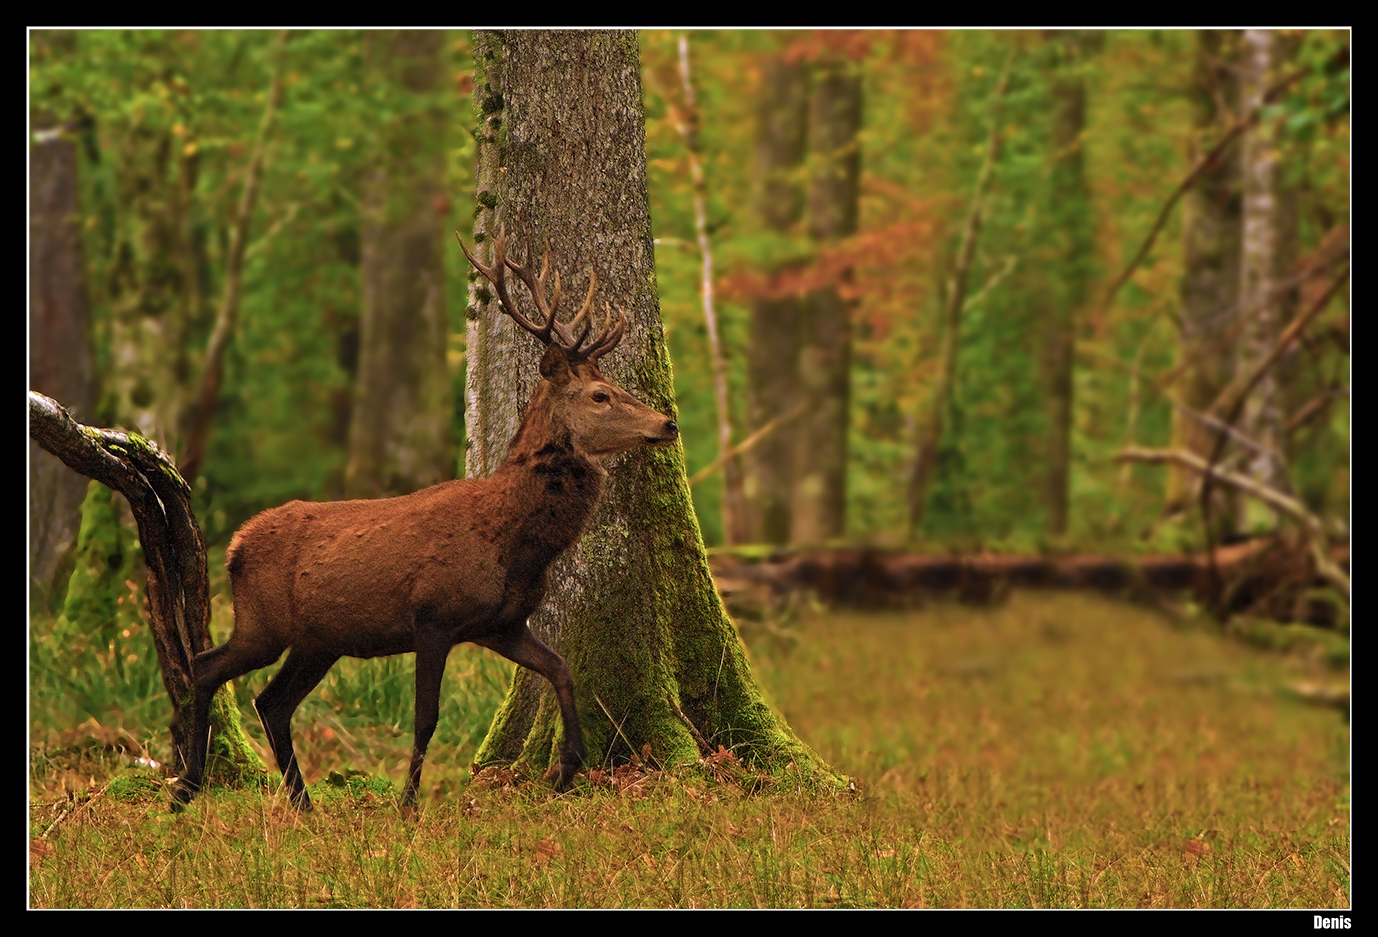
[(555, 365)]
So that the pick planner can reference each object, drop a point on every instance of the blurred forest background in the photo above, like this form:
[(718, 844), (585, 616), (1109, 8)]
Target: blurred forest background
[(953, 275)]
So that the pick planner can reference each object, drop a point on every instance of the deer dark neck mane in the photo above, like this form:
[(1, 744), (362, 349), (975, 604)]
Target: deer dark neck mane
[(550, 487)]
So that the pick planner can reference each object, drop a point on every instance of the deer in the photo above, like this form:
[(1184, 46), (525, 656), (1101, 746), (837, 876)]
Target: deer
[(464, 560)]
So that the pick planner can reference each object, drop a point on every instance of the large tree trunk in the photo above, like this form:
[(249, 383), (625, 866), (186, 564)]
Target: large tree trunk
[(632, 607), (820, 492), (399, 438), (61, 360), (1211, 226), (772, 369)]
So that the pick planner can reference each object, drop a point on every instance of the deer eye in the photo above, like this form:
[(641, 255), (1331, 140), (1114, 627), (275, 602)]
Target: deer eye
[(600, 397)]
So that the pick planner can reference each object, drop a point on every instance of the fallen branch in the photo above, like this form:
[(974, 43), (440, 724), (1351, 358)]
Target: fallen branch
[(1315, 533)]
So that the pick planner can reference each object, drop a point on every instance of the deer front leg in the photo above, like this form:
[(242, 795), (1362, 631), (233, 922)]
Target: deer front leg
[(522, 647)]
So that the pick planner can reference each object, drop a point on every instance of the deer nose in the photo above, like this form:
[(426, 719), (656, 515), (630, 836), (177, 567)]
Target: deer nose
[(671, 429)]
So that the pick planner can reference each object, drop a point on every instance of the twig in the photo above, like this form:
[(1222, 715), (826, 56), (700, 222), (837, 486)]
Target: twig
[(744, 445), (616, 727), (73, 811), (699, 740)]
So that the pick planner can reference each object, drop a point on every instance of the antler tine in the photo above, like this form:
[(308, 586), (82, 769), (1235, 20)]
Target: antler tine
[(552, 330), (584, 311), (612, 334), (536, 286), (494, 274)]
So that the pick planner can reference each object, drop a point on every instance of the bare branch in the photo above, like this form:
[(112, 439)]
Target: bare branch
[(1206, 161), (744, 445)]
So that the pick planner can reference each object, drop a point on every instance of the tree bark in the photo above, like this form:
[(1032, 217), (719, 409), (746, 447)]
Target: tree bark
[(820, 491), (403, 329), (772, 370), (632, 607)]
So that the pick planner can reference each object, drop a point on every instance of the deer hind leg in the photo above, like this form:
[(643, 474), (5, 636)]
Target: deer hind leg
[(300, 674), (431, 651), (212, 669), (522, 647)]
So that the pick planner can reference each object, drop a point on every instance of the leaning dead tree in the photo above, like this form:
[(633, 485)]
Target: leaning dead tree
[(178, 586)]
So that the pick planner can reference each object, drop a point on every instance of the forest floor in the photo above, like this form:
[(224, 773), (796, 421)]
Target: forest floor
[(1058, 750)]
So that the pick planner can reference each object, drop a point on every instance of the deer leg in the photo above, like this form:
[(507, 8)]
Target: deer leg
[(212, 669), (522, 647), (300, 674), (431, 651)]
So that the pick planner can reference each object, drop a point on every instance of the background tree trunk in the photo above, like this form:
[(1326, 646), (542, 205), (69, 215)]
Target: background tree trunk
[(820, 489), (934, 453), (632, 607), (1211, 229), (61, 361), (399, 438), (734, 516), (1070, 236), (772, 370)]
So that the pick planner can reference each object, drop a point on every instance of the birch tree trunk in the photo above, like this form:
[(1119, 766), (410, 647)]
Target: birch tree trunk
[(1265, 233), (657, 664)]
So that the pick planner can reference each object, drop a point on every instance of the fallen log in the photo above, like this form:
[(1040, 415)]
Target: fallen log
[(1264, 577)]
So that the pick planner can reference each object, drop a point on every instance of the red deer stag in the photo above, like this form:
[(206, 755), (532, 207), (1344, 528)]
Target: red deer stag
[(465, 560)]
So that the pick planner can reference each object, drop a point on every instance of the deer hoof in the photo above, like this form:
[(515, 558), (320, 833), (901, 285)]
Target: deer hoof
[(182, 793), (564, 776)]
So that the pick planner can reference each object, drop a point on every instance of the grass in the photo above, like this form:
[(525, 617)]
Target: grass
[(1059, 751)]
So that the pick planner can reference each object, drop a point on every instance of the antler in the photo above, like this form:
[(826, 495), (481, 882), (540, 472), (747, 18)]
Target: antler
[(553, 331)]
